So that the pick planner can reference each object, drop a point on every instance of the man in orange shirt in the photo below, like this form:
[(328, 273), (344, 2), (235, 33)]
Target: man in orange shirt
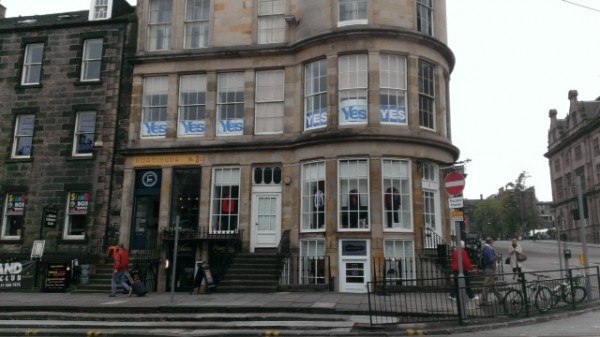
[(120, 267)]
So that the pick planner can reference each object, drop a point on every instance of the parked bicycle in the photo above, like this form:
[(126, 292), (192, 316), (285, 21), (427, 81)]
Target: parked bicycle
[(515, 301), (564, 292)]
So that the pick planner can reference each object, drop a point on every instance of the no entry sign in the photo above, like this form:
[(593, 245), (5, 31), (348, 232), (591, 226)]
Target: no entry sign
[(454, 183)]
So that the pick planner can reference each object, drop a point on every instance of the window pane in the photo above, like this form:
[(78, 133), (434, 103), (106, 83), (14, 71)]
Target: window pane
[(84, 133), (230, 104), (154, 107), (315, 95)]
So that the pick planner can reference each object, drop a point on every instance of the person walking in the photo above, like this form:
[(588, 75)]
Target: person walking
[(513, 250), (120, 267), (467, 267), (489, 271)]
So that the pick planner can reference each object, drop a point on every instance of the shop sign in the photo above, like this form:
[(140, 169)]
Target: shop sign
[(16, 204), (78, 203), (16, 274), (56, 277)]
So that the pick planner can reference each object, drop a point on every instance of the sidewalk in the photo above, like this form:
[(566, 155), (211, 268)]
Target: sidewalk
[(353, 307)]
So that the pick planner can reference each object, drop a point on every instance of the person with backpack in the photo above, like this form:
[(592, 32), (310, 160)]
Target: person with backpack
[(120, 267), (489, 270)]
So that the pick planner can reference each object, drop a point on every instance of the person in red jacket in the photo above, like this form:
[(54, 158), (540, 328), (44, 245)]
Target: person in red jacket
[(467, 266), (120, 267)]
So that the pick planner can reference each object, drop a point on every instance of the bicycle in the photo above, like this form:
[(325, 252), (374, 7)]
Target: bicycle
[(514, 299), (564, 292)]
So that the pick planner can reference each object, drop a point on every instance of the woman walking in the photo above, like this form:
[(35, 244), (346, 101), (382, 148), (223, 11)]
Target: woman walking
[(513, 250)]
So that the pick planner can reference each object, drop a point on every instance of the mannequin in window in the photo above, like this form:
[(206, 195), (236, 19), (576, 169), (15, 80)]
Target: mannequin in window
[(353, 208), (228, 213), (318, 209), (392, 205)]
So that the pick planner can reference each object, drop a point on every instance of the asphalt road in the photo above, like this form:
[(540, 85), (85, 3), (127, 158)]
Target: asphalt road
[(543, 255)]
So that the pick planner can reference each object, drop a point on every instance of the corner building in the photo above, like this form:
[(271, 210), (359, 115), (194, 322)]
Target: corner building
[(324, 125)]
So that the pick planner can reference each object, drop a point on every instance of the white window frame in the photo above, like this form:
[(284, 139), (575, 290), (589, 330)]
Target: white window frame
[(353, 82), (32, 64), (427, 115), (160, 19), (425, 16), (86, 131), (400, 257), (230, 104), (314, 205), (196, 24), (192, 106), (224, 180), (312, 252), (315, 95), (8, 217), (432, 212), (154, 107), (271, 21), (23, 131), (393, 94), (359, 10), (100, 10), (396, 183), (353, 180), (91, 63), (269, 107), (71, 201)]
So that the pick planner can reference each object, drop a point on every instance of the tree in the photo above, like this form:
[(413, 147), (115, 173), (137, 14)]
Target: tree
[(519, 202), (488, 218)]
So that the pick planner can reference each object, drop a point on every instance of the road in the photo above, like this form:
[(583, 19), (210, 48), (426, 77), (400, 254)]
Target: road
[(542, 255)]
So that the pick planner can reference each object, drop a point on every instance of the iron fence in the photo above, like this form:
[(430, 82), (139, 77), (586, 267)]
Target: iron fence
[(301, 273), (430, 300)]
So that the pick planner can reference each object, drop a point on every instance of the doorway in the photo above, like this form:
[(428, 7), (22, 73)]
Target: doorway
[(355, 266)]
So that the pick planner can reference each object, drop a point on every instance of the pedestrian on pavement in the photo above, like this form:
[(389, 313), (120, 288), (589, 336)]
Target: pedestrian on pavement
[(513, 250), (120, 267), (489, 270), (467, 267)]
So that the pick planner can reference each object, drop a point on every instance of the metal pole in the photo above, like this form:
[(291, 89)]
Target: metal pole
[(175, 243), (583, 231), (462, 304)]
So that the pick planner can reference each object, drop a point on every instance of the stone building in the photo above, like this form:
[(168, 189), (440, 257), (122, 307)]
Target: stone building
[(64, 93), (325, 123), (574, 158)]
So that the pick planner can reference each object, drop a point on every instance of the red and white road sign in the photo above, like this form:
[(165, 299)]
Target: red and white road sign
[(454, 183)]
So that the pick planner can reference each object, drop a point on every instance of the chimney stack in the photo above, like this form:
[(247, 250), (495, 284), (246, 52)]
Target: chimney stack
[(2, 12)]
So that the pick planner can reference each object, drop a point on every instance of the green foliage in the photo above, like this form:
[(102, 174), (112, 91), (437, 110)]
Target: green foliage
[(511, 213)]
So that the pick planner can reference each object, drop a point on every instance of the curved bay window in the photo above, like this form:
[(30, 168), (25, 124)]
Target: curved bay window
[(354, 194), (313, 196)]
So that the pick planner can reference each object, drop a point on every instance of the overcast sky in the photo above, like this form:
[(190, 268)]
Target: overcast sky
[(515, 60)]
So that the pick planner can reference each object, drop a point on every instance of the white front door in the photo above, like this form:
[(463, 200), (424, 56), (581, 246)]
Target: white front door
[(266, 210), (355, 268)]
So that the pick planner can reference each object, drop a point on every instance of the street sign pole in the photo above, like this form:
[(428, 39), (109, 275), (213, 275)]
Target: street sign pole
[(454, 184)]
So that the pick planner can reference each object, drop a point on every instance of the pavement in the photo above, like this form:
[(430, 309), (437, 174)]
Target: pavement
[(348, 312)]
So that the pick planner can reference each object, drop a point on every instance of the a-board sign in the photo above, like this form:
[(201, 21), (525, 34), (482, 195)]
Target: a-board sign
[(202, 273), (56, 277)]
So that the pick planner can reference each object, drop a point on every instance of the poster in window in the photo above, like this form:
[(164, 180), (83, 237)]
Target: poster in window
[(16, 204), (78, 203)]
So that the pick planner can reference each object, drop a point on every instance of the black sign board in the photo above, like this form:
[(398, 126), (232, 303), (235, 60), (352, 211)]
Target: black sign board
[(56, 277), (203, 273), (50, 216)]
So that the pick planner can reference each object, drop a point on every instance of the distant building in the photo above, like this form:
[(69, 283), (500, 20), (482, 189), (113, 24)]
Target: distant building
[(574, 155)]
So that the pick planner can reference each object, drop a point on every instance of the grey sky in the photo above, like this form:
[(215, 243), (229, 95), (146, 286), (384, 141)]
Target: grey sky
[(515, 60)]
